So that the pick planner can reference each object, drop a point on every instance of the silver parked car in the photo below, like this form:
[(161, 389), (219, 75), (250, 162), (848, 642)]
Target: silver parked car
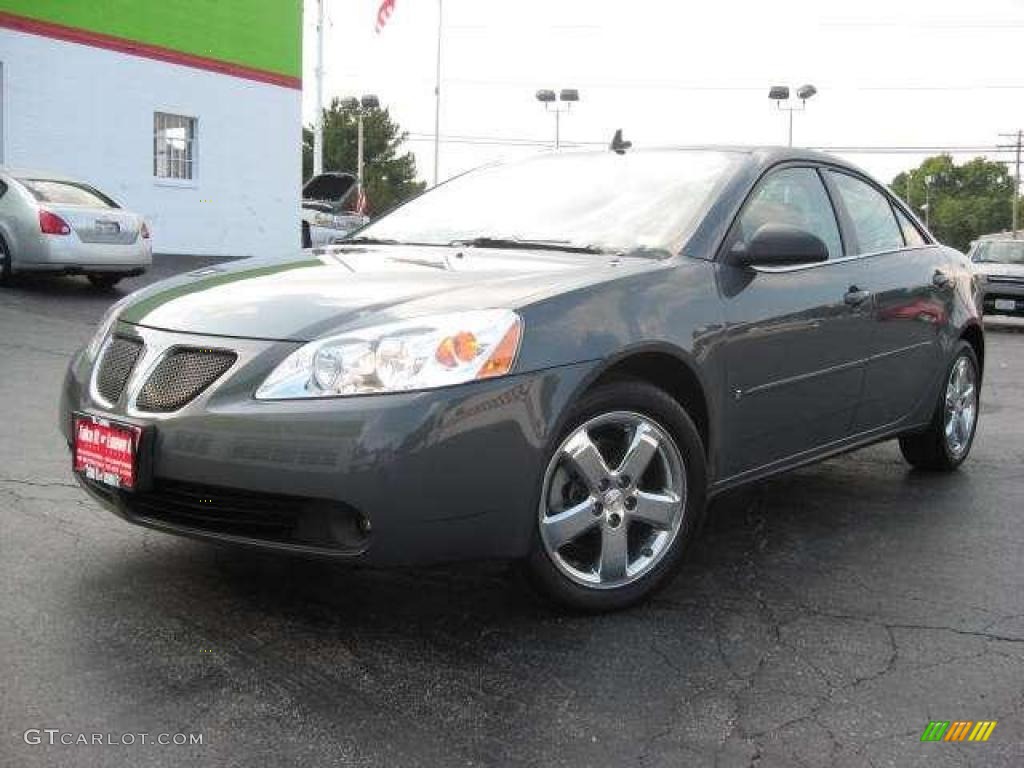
[(51, 223), (999, 260), (330, 209)]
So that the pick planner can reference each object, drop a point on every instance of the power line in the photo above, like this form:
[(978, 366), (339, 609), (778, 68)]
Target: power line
[(524, 141), (670, 85)]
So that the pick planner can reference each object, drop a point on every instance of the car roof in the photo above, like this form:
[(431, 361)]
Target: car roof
[(1019, 235), (36, 173), (761, 156)]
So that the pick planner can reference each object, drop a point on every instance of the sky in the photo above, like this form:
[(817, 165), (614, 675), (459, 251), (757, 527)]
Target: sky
[(672, 72)]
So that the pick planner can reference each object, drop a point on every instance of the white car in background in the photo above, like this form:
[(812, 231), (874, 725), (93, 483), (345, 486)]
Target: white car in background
[(999, 260), (56, 224), (330, 209)]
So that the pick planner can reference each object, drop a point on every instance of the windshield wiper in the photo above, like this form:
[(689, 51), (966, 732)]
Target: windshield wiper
[(368, 241), (524, 244)]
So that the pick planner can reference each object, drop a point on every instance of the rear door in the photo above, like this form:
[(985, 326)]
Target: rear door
[(797, 338), (912, 300)]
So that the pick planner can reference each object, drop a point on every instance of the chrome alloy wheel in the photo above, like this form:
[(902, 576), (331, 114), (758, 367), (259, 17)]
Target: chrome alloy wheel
[(613, 500), (961, 408)]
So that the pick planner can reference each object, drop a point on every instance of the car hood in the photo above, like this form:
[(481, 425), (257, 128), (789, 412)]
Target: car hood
[(996, 269), (329, 187), (306, 297)]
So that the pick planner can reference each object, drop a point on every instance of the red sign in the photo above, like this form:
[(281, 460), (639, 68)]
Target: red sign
[(106, 452)]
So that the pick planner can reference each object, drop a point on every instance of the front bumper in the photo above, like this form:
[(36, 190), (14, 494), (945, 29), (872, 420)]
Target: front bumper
[(439, 475)]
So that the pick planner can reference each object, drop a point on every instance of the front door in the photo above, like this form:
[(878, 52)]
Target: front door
[(797, 336)]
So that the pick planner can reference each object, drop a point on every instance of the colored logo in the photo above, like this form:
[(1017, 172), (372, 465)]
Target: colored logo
[(958, 730)]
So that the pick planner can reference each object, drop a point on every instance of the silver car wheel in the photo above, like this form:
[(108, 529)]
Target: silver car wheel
[(613, 500), (961, 407)]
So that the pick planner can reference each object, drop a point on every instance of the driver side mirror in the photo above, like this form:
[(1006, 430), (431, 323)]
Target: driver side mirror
[(778, 245)]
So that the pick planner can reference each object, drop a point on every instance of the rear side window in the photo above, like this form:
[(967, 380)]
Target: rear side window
[(911, 234), (874, 224), (794, 197), (66, 193)]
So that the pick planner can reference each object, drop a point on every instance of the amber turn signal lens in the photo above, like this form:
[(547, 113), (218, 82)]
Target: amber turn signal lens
[(500, 361)]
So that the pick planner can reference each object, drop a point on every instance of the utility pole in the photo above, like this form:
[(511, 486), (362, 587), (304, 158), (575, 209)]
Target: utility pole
[(1016, 183), (1018, 139), (318, 123)]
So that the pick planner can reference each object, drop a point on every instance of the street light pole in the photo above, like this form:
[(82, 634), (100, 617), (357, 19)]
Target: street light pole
[(567, 96), (361, 106), (780, 93), (359, 149), (927, 202)]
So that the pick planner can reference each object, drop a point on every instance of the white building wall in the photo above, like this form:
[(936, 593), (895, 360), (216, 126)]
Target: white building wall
[(88, 112)]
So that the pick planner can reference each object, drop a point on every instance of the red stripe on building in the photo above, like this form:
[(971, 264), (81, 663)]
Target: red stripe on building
[(145, 50)]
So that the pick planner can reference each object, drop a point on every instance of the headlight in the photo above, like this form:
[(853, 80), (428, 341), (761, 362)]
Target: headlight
[(105, 326), (425, 353), (325, 220)]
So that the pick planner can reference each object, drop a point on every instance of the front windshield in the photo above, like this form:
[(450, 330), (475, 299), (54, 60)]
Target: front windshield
[(615, 203), (1000, 252)]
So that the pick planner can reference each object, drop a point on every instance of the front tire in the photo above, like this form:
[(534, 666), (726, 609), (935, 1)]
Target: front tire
[(622, 495), (104, 282), (947, 441)]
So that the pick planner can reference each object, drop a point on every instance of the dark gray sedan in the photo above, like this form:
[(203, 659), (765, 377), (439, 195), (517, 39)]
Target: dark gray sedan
[(557, 361)]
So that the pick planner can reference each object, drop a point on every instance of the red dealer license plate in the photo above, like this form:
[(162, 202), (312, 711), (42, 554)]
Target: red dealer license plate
[(106, 451)]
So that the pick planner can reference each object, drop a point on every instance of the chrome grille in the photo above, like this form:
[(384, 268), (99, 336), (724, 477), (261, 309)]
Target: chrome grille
[(181, 376), (1012, 279), (119, 359)]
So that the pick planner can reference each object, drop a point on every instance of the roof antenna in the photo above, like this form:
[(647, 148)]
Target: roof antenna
[(619, 145)]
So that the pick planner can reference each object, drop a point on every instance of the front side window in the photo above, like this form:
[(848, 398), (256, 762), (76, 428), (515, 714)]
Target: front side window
[(793, 197), (874, 225), (639, 201), (174, 146)]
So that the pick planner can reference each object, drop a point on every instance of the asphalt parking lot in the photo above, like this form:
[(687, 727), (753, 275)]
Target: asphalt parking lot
[(823, 618)]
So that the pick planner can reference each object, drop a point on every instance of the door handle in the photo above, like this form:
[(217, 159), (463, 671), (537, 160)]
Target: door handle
[(855, 296), (940, 279)]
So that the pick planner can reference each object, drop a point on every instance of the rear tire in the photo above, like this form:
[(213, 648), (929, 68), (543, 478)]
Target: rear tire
[(307, 238), (104, 282), (621, 536), (6, 265), (947, 441)]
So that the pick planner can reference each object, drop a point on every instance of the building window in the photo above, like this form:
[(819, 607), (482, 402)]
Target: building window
[(174, 146)]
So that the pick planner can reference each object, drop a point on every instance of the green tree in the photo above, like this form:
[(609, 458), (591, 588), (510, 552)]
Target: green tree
[(966, 200), (389, 174)]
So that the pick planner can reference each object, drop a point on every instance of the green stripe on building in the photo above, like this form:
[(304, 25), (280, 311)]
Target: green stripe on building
[(261, 34)]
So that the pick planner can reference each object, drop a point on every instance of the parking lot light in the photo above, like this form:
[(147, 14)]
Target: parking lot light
[(780, 94), (567, 96)]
